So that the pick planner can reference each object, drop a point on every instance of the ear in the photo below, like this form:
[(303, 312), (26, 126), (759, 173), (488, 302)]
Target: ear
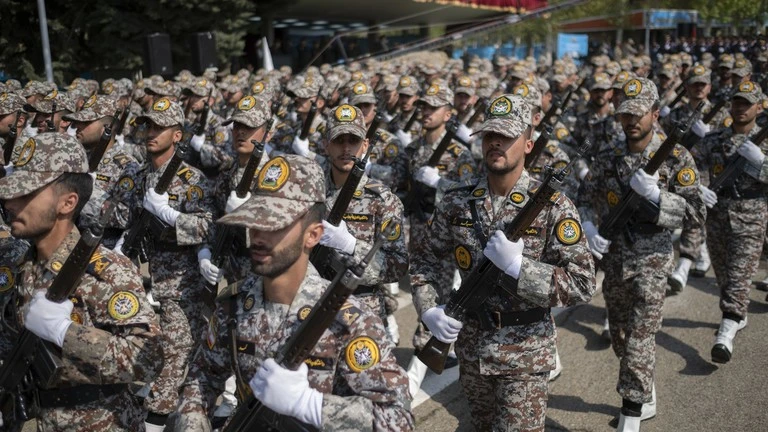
[(447, 113), (528, 144), (320, 103), (364, 146), (67, 203), (312, 234), (177, 135), (655, 114)]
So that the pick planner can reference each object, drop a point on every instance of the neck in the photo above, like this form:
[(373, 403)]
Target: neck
[(602, 110), (433, 135), (160, 159), (242, 159), (693, 103), (51, 241), (640, 145), (338, 177), (743, 129), (502, 184), (283, 288)]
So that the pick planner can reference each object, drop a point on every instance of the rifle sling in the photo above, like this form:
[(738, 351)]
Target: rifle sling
[(477, 224)]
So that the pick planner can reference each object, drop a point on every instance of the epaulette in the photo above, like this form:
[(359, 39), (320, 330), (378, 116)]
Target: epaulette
[(98, 265), (185, 174), (230, 290), (465, 185), (376, 187), (122, 160), (321, 128), (455, 149)]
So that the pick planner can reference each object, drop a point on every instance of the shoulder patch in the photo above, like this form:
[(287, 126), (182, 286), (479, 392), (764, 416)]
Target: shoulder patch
[(391, 150), (466, 170), (568, 231), (455, 149), (123, 305), (394, 233), (463, 257), (185, 174), (303, 312), (195, 193), (7, 279), (686, 176), (362, 353)]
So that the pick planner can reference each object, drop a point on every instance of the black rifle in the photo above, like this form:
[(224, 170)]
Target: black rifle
[(322, 257), (200, 128), (484, 279), (98, 152), (50, 127), (715, 109), (631, 201), (680, 92), (133, 245), (251, 414), (412, 203), (545, 128), (12, 134), (480, 108), (31, 352), (735, 167), (308, 122), (226, 233)]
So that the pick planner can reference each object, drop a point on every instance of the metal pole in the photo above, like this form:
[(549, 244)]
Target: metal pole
[(46, 43)]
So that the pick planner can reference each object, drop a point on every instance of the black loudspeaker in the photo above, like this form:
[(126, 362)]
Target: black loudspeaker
[(202, 47), (687, 30), (157, 55)]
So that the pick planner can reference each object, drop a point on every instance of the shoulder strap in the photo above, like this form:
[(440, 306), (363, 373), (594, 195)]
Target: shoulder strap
[(476, 223)]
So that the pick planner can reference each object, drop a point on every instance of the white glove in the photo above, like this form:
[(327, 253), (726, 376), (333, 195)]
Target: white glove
[(383, 173), (708, 196), (48, 320), (428, 175), (749, 151), (368, 166), (31, 129), (464, 133), (72, 131), (403, 137), (300, 146), (443, 327), (646, 185), (664, 112), (119, 245), (292, 116), (152, 302), (120, 140), (158, 205), (597, 243), (197, 142), (288, 392), (234, 202), (338, 237), (505, 254), (210, 272), (8, 169), (583, 173), (700, 128)]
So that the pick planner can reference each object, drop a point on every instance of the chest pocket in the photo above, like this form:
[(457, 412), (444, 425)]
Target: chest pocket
[(361, 224)]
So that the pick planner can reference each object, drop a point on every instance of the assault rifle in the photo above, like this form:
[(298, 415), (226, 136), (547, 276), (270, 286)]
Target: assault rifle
[(545, 129), (716, 109), (322, 256), (12, 134), (483, 280), (307, 125), (735, 167), (251, 414), (98, 152), (680, 92), (200, 127), (32, 354), (631, 201), (50, 127)]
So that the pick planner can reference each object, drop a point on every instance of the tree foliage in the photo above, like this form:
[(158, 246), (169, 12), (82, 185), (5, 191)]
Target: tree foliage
[(107, 37)]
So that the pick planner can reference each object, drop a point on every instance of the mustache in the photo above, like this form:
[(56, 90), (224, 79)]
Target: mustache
[(259, 249)]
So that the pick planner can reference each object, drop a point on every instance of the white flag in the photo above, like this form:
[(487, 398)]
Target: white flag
[(267, 55)]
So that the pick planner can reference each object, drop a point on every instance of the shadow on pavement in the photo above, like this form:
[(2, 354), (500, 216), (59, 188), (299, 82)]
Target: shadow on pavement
[(456, 407), (577, 404), (581, 320), (695, 364)]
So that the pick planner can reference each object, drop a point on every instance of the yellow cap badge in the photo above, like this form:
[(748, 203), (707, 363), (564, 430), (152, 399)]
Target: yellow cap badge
[(161, 105), (500, 107), (521, 90), (633, 88), (26, 153), (346, 113), (360, 88), (433, 90), (274, 174), (246, 103)]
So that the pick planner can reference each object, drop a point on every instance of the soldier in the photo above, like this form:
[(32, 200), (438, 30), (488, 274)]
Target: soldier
[(637, 262), (550, 267), (183, 218), (307, 91), (108, 334), (90, 122), (214, 146), (45, 119), (11, 104), (408, 96), (736, 223), (597, 110), (334, 388)]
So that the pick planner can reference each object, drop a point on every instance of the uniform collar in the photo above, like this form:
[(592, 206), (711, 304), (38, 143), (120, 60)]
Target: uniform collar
[(518, 197), (306, 297), (60, 255)]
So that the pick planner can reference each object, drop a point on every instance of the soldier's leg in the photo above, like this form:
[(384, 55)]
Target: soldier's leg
[(521, 402), (480, 393), (690, 245), (617, 305), (717, 234), (702, 264)]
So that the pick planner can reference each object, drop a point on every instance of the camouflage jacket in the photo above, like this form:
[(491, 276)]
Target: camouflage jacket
[(288, 130), (716, 151), (456, 164), (683, 112), (352, 364), (216, 152)]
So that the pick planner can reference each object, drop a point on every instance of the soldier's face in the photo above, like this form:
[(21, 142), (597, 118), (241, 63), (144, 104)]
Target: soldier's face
[(698, 90), (41, 121), (160, 139), (503, 154), (406, 102), (273, 253), (32, 216), (744, 111), (434, 117), (5, 123), (368, 110), (304, 104), (462, 101), (89, 133), (196, 103), (546, 101), (637, 128), (243, 135), (600, 97), (342, 149)]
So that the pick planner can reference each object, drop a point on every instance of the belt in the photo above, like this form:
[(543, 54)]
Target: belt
[(366, 290), (645, 228), (732, 193), (161, 246), (497, 319), (78, 395)]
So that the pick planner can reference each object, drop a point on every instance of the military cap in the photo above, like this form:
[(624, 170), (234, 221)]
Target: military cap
[(699, 74), (741, 67), (198, 86), (11, 102), (686, 59), (598, 60), (637, 62), (625, 64), (639, 96), (251, 111), (438, 94), (600, 81), (762, 57), (487, 85), (2, 87), (332, 83), (37, 88), (408, 86), (45, 105), (12, 85), (362, 93), (346, 119), (184, 76), (310, 86), (125, 87), (612, 68), (570, 69), (622, 78), (542, 84), (96, 107), (108, 86), (164, 113), (669, 70), (42, 159), (519, 71), (390, 82), (359, 76), (750, 91), (286, 188), (210, 74), (529, 93), (429, 69), (725, 61), (263, 89), (465, 84), (508, 115), (165, 88), (285, 70)]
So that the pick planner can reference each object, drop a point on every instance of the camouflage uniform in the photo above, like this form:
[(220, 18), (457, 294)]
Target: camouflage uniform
[(641, 258), (114, 337), (352, 364), (304, 87), (10, 103), (216, 153), (504, 370)]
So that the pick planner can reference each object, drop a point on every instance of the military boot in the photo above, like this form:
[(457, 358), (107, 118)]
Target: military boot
[(723, 348)]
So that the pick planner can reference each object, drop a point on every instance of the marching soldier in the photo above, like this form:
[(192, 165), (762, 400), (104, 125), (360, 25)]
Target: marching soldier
[(550, 267), (351, 380), (11, 104), (214, 146)]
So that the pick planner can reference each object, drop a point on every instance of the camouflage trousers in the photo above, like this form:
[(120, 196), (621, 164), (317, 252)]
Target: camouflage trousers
[(634, 314), (120, 412), (692, 238), (505, 402), (736, 232), (178, 347)]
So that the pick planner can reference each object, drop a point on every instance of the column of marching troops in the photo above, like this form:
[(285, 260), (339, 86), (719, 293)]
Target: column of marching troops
[(141, 338)]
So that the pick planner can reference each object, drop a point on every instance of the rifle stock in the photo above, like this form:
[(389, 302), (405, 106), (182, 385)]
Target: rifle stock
[(308, 122), (715, 109), (200, 128), (479, 109)]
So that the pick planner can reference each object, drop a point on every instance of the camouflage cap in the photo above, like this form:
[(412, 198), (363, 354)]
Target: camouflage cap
[(601, 81), (124, 87), (438, 94), (750, 91), (625, 64), (346, 119), (466, 85), (519, 71), (639, 96), (251, 111), (264, 89), (669, 70), (42, 160), (11, 102), (543, 85), (184, 76), (12, 85), (390, 82), (686, 59), (286, 188), (529, 93), (310, 87), (508, 115), (165, 88), (612, 68), (741, 67), (699, 74), (198, 86), (45, 105), (108, 86), (725, 61), (164, 113), (37, 88), (621, 79), (358, 76), (429, 69), (637, 62), (362, 93), (333, 82), (96, 107), (408, 86)]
